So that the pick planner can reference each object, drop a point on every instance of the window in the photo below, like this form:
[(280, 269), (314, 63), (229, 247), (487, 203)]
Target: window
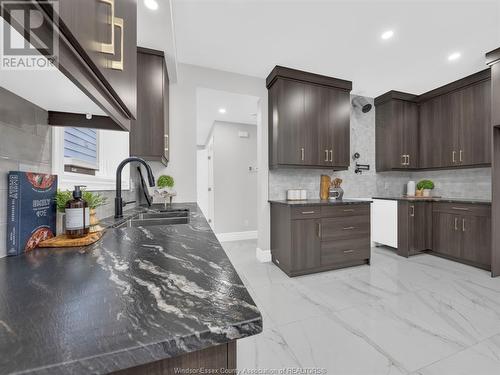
[(89, 157), (80, 150)]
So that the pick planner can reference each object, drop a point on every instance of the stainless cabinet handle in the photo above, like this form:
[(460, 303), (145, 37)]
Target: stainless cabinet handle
[(461, 155), (348, 228), (326, 155), (408, 160), (463, 225), (302, 153), (460, 208), (412, 210), (319, 230), (348, 251), (118, 65), (453, 153), (456, 223), (105, 47), (308, 212), (403, 158), (348, 210), (331, 155)]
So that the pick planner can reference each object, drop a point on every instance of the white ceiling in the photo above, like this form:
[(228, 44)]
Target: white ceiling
[(341, 39), (239, 109), (155, 31)]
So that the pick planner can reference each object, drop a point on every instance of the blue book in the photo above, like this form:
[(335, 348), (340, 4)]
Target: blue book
[(31, 210)]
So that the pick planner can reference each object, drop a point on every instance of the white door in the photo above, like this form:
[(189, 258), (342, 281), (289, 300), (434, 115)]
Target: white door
[(210, 157)]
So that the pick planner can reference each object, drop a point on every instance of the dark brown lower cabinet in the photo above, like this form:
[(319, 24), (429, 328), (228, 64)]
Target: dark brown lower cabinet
[(310, 239), (463, 232), (216, 358), (306, 244), (414, 227)]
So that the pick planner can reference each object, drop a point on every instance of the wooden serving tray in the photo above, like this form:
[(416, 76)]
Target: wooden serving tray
[(65, 241)]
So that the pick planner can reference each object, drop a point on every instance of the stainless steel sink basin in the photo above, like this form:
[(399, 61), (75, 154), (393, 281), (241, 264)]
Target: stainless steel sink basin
[(150, 219), (162, 215)]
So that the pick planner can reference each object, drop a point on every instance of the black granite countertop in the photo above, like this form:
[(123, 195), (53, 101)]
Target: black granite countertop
[(438, 199), (318, 202), (137, 296)]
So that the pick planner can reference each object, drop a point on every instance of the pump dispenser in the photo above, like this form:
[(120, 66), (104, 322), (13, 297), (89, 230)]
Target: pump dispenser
[(77, 215)]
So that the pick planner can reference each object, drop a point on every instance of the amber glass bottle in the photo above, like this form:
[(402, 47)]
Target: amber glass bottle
[(77, 215)]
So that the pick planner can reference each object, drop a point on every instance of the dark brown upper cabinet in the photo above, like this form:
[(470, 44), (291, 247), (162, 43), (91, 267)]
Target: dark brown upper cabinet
[(396, 133), (449, 127), (149, 134), (309, 120), (97, 50)]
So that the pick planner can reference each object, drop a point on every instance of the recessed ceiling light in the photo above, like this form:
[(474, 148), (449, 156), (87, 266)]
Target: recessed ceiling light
[(387, 34), (454, 56), (222, 110), (151, 4)]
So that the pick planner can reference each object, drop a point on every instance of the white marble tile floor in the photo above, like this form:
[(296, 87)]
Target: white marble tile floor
[(422, 315)]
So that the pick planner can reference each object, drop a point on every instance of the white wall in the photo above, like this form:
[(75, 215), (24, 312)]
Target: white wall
[(183, 133), (235, 185)]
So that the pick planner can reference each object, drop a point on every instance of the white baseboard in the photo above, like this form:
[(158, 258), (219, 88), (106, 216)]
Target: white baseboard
[(237, 236), (263, 255)]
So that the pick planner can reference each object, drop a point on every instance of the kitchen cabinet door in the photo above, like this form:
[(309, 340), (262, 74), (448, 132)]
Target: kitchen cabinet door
[(291, 145), (315, 123), (437, 138), (105, 33), (475, 124), (447, 234), (414, 231), (476, 239), (339, 114), (306, 245), (149, 134), (410, 133)]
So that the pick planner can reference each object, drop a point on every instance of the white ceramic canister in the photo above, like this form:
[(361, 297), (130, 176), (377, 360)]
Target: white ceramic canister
[(410, 188)]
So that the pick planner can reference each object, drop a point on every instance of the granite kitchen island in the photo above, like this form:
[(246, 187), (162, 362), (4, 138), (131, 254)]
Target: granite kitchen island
[(141, 298)]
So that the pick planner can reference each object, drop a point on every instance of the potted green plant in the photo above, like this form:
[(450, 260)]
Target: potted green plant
[(94, 200), (425, 187), (165, 186)]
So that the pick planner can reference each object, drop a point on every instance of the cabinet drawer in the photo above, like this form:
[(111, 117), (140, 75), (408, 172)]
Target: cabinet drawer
[(345, 210), (345, 250), (310, 212), (345, 227), (462, 208)]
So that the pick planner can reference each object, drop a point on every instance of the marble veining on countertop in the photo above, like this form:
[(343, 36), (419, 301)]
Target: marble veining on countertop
[(437, 199), (318, 202), (136, 296)]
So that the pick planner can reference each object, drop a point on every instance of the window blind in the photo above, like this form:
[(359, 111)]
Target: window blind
[(80, 145)]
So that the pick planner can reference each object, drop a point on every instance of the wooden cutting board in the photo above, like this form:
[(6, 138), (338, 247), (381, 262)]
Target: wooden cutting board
[(65, 241)]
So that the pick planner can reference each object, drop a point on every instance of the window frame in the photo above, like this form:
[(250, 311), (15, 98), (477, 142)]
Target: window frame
[(105, 177)]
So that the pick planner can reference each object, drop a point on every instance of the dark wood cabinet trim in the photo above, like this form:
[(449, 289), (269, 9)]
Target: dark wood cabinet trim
[(395, 95), (472, 79), (493, 57), (150, 51), (79, 120), (307, 77)]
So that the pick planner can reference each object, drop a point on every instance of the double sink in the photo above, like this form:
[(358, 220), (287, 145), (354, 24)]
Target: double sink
[(148, 219)]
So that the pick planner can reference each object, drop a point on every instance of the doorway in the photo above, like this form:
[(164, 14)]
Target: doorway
[(227, 162)]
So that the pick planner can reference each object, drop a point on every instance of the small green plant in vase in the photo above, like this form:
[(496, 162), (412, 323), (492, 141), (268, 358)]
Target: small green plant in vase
[(94, 200), (165, 189), (425, 187)]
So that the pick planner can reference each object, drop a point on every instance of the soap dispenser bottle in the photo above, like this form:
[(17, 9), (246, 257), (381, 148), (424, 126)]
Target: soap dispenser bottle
[(77, 215)]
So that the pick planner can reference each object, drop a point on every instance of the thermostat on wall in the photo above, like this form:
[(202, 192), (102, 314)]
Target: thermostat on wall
[(243, 134)]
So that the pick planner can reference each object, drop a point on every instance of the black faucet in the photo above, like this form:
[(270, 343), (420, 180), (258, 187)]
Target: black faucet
[(118, 199)]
